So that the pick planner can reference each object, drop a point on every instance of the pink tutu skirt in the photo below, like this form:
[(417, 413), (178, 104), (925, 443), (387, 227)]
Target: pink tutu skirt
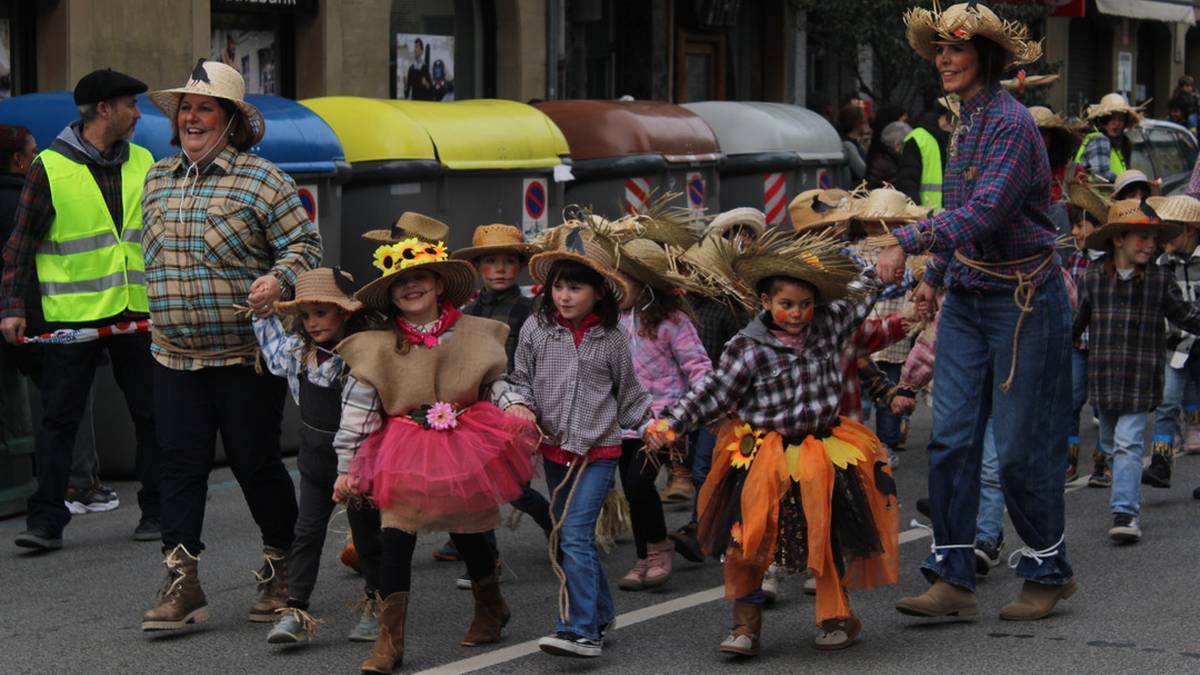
[(485, 461)]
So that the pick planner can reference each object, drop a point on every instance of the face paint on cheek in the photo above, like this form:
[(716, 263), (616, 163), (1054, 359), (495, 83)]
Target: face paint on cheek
[(780, 316), (807, 315)]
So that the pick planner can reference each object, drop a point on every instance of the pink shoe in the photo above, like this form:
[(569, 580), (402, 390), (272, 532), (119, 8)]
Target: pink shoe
[(635, 579), (660, 559)]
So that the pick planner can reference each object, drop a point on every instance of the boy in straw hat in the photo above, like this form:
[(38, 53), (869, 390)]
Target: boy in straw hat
[(1123, 304), (781, 374), (1105, 150), (1181, 261)]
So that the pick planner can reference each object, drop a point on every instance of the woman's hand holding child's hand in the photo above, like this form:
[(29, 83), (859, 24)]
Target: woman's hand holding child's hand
[(521, 412), (346, 487), (658, 434)]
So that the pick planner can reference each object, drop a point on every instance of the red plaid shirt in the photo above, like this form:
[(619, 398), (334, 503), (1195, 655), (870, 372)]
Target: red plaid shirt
[(871, 336)]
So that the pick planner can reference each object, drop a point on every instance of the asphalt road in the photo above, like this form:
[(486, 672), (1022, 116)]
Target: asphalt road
[(79, 609)]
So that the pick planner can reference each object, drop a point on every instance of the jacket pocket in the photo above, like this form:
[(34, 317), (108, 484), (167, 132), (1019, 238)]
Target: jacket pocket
[(231, 235)]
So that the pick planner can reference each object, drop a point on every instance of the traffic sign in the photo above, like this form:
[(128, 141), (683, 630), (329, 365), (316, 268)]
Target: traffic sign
[(534, 207)]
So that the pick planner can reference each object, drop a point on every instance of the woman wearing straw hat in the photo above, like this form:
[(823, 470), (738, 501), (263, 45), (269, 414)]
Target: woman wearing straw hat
[(1105, 150), (1003, 345), (222, 227)]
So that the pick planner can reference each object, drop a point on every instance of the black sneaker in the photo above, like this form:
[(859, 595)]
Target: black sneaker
[(39, 538), (1158, 474), (1125, 529), (95, 499), (987, 555), (923, 506), (565, 643), (686, 543), (1101, 476), (148, 529)]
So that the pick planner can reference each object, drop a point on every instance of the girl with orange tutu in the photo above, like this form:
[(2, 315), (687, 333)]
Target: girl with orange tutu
[(791, 481), (424, 434)]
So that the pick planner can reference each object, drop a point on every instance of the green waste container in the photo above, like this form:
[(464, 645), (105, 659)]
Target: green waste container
[(16, 440)]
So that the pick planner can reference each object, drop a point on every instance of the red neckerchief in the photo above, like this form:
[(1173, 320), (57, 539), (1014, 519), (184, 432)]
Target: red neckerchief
[(577, 334), (429, 339)]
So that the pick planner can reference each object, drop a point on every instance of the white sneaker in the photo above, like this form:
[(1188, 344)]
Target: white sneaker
[(772, 580), (570, 644)]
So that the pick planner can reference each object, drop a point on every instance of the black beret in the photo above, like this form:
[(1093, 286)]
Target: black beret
[(102, 85)]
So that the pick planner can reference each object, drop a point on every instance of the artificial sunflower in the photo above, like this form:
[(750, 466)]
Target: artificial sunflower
[(841, 453), (415, 252), (744, 446), (386, 258)]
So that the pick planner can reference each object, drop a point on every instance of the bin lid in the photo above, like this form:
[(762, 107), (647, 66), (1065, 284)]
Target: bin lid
[(754, 127), (605, 129), (460, 135), (296, 140)]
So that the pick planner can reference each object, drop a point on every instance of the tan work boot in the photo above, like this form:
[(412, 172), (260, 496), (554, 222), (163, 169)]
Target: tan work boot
[(491, 613), (942, 599), (272, 585), (181, 601), (388, 652), (679, 486), (1036, 601), (743, 640)]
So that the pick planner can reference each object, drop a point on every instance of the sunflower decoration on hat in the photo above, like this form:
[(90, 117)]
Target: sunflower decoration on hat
[(926, 29), (458, 276)]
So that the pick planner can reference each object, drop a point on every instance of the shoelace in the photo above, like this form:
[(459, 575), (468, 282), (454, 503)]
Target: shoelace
[(173, 562), (1037, 556), (934, 548), (269, 565), (308, 622)]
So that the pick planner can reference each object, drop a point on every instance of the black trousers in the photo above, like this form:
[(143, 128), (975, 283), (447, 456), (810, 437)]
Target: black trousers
[(66, 379), (395, 569), (645, 506), (192, 407)]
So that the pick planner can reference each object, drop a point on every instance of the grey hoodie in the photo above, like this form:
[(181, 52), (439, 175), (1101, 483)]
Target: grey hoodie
[(72, 145)]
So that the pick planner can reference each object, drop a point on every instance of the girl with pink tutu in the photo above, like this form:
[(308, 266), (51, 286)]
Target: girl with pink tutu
[(424, 435)]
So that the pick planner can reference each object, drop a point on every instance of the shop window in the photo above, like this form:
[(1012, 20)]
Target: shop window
[(261, 46), (699, 66), (438, 49), (17, 51)]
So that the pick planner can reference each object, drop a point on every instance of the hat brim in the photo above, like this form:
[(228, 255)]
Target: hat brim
[(523, 251), (293, 306), (1099, 240), (1133, 114), (167, 100), (826, 220), (458, 277), (830, 286), (921, 31), (539, 269)]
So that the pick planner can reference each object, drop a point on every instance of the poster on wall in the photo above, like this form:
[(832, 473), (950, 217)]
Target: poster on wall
[(6, 83), (424, 67), (253, 53)]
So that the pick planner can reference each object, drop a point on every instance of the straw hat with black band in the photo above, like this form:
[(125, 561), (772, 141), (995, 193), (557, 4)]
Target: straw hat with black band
[(813, 209), (458, 276), (957, 24), (815, 258), (1130, 215), (1177, 209), (213, 78), (588, 248), (496, 239), (888, 205), (411, 224), (322, 284), (1115, 103)]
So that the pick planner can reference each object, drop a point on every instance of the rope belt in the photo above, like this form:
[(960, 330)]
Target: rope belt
[(1022, 294)]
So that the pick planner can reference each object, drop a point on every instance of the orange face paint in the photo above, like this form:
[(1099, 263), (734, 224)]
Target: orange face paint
[(807, 315), (780, 316)]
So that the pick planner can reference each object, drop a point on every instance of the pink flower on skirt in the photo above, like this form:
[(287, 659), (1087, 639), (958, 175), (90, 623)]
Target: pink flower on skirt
[(441, 416)]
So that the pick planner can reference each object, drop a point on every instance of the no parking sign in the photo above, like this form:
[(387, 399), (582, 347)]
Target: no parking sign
[(824, 180), (308, 197), (695, 194), (534, 215)]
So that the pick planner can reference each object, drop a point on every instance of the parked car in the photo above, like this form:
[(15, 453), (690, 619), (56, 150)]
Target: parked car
[(1163, 150)]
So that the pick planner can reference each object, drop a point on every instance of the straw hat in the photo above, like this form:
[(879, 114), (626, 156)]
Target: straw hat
[(1131, 177), (1087, 198), (411, 224), (323, 284), (744, 216), (1051, 121), (888, 205), (1115, 103), (588, 248), (213, 78), (1130, 215), (959, 23), (816, 258), (458, 276), (496, 238), (812, 209), (1021, 82), (1177, 208)]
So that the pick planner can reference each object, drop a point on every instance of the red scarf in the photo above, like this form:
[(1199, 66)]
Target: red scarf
[(429, 339), (577, 334)]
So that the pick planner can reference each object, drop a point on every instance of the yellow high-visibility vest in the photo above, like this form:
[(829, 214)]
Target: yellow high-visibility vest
[(931, 167), (1115, 164)]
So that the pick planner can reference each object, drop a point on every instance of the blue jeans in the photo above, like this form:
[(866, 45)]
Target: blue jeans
[(1179, 393), (702, 451), (1079, 385), (1122, 436), (887, 425), (991, 497), (587, 587), (974, 353)]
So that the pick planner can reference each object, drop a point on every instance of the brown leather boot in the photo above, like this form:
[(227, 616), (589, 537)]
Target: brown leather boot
[(743, 640), (679, 487), (388, 652), (272, 585), (1036, 601), (491, 613), (181, 601), (942, 599)]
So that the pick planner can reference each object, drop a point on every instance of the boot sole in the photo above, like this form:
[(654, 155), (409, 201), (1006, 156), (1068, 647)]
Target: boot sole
[(363, 638), (286, 638), (1154, 481), (1067, 592), (38, 543), (970, 613), (736, 651), (655, 583), (195, 616)]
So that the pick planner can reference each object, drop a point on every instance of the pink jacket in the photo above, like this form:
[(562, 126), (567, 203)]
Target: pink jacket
[(670, 364)]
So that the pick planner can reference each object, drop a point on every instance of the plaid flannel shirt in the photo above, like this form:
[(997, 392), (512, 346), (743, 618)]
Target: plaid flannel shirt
[(206, 240), (281, 354), (1076, 267), (870, 336), (1186, 272), (997, 193), (1128, 340), (1096, 157)]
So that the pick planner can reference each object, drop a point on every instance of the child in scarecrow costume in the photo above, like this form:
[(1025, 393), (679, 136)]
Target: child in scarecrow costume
[(422, 431), (792, 481)]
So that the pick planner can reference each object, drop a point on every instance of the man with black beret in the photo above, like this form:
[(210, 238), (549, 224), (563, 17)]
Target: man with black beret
[(78, 236)]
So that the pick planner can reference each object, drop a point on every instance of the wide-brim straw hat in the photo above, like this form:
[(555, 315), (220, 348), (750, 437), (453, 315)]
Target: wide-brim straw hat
[(1131, 177), (1177, 208), (710, 261), (213, 78), (1051, 121), (888, 205), (1115, 103), (1129, 215), (588, 248), (648, 263), (1086, 197), (956, 24), (323, 284), (817, 208), (411, 224), (817, 258), (458, 276), (494, 239), (1021, 82), (744, 216)]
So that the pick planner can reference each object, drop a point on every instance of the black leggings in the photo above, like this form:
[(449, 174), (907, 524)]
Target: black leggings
[(645, 506), (395, 567)]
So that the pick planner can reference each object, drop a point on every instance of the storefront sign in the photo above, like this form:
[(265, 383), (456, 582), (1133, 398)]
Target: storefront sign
[(281, 6)]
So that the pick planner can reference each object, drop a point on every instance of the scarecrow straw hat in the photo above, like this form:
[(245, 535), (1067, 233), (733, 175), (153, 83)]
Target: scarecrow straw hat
[(1084, 196), (1130, 215), (1115, 103), (709, 263), (744, 216), (493, 239), (586, 247), (1130, 177), (213, 78), (888, 205), (1177, 208), (815, 257), (323, 284), (1047, 119), (812, 209), (959, 23), (458, 276), (650, 264), (411, 224), (1021, 82)]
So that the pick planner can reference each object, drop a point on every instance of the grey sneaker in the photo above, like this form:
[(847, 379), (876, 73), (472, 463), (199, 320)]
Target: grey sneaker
[(288, 629), (39, 538), (1125, 529), (367, 628), (987, 555), (95, 499)]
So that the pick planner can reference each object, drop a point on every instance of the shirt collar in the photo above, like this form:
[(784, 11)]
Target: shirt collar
[(979, 101), (222, 164), (489, 297)]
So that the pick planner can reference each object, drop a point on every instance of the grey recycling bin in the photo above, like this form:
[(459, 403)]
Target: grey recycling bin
[(465, 163), (772, 152), (626, 153)]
